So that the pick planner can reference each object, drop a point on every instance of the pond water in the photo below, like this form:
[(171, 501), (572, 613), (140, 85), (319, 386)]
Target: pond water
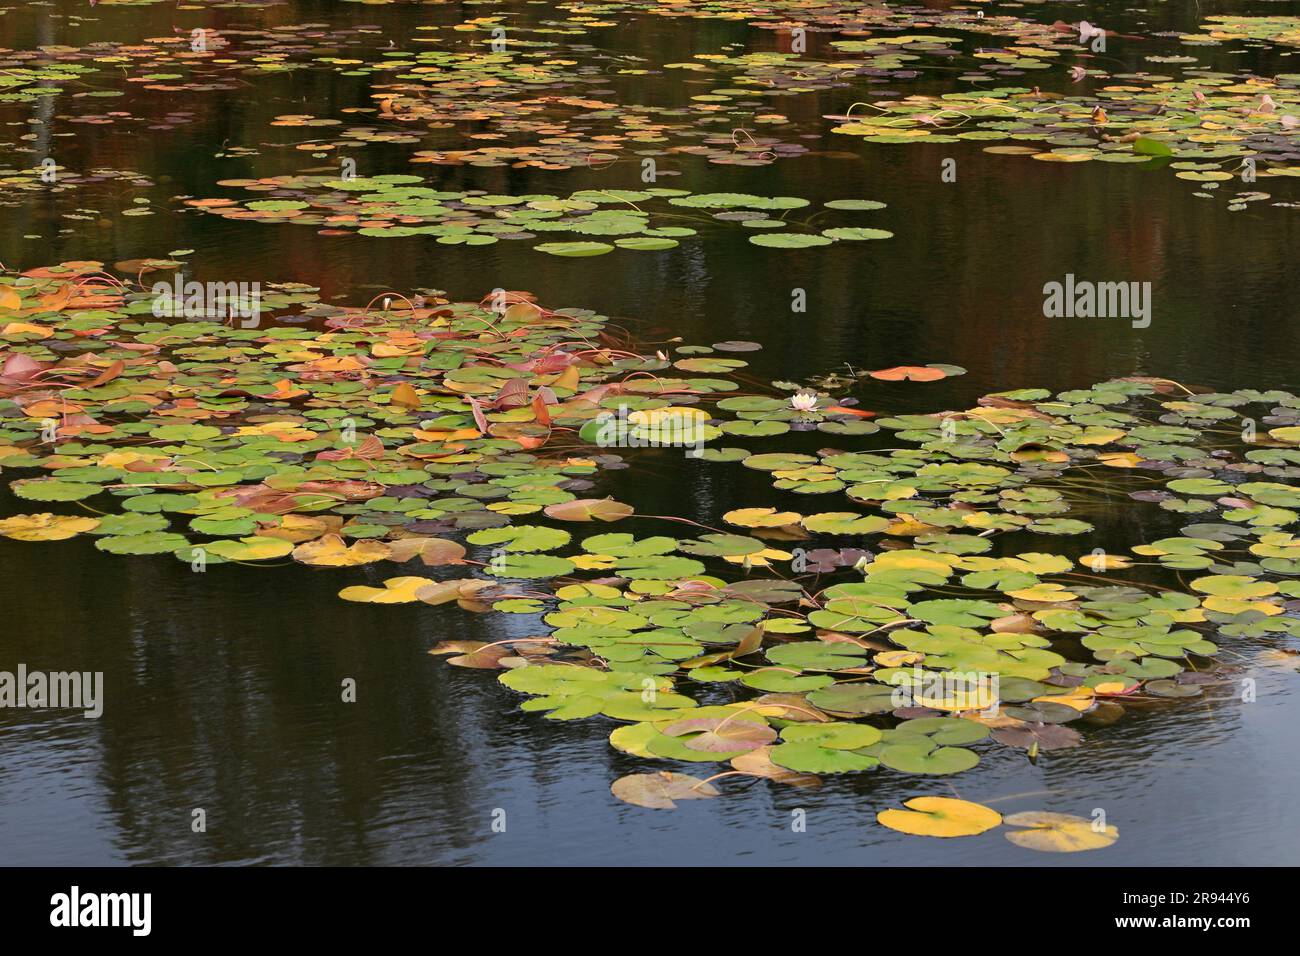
[(224, 687)]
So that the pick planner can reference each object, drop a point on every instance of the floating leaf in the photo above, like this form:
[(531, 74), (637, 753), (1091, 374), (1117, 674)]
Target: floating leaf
[(401, 590), (910, 373), (940, 817), (661, 789), (809, 757), (1058, 832), (923, 758), (45, 527), (589, 509)]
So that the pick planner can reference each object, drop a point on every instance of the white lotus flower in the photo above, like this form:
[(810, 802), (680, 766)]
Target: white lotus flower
[(804, 401)]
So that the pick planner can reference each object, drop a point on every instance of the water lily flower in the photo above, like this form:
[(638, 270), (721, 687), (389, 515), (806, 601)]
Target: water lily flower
[(804, 401)]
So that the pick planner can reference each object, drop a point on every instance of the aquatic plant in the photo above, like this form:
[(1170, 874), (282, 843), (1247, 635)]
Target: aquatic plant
[(889, 631)]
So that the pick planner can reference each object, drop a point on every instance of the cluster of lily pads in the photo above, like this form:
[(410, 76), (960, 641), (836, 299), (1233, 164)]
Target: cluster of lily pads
[(540, 97), (177, 63), (842, 678), (1282, 31), (1204, 125), (221, 427), (835, 16), (19, 184), (396, 206), (538, 94), (858, 635)]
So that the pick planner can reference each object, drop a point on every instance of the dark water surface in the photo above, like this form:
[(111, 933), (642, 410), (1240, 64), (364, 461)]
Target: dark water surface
[(223, 688)]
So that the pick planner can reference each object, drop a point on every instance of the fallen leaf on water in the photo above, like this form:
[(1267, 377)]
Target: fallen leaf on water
[(911, 373), (589, 509), (661, 789), (331, 551), (940, 817), (45, 527), (1058, 832)]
